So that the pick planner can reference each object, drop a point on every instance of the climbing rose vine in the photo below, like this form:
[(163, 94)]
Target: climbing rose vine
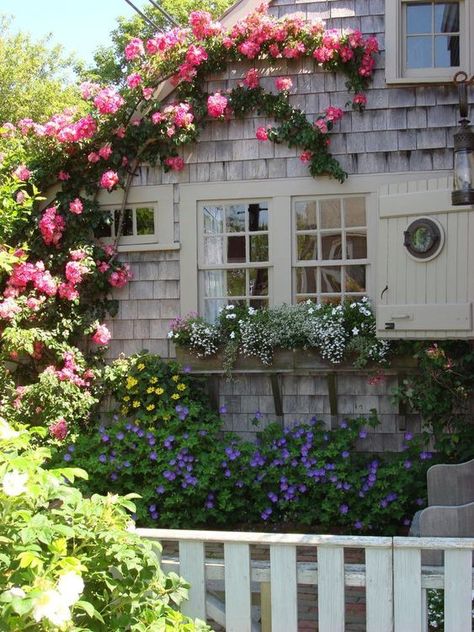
[(56, 289)]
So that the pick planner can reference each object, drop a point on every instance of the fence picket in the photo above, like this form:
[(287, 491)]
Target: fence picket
[(407, 590), (283, 588), (192, 567), (458, 591), (379, 590), (237, 588), (331, 602)]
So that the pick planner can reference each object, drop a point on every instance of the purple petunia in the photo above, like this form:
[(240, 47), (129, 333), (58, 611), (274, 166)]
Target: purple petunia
[(343, 509)]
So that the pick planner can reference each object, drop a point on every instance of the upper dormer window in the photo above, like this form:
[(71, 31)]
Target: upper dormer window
[(431, 40)]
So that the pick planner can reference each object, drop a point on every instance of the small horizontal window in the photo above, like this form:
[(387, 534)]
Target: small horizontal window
[(137, 225)]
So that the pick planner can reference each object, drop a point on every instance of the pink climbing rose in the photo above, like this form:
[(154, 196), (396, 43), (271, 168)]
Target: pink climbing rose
[(22, 172), (109, 179), (101, 335), (216, 105), (59, 429), (283, 83), (76, 206)]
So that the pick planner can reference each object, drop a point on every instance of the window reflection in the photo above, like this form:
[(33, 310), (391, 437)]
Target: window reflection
[(432, 34)]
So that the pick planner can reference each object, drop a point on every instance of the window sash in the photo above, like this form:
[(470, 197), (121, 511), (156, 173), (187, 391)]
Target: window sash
[(396, 37)]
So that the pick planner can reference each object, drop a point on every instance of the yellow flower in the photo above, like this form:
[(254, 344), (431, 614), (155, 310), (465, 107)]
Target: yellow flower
[(153, 380), (166, 417), (140, 366), (175, 396), (181, 387), (126, 398), (151, 407), (159, 391), (150, 389), (135, 403), (131, 382), (175, 378)]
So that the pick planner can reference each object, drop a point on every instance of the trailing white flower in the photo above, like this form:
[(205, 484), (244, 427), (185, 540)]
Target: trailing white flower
[(14, 483)]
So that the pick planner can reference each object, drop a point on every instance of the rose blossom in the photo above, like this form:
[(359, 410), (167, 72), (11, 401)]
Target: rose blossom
[(175, 163), (105, 151), (333, 114), (22, 172), (109, 179), (108, 101), (76, 206), (283, 83), (101, 335), (261, 133), (134, 49), (359, 99), (134, 80), (51, 226), (306, 156), (216, 105), (252, 78), (59, 429)]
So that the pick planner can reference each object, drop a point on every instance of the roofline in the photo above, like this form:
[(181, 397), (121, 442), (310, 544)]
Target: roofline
[(238, 11)]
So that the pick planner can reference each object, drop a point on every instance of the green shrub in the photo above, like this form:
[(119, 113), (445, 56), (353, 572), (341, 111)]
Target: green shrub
[(190, 474), (70, 562)]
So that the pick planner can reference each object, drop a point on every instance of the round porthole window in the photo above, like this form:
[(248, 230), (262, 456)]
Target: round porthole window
[(424, 238)]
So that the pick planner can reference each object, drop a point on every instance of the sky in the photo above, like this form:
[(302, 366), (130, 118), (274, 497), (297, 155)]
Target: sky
[(79, 25)]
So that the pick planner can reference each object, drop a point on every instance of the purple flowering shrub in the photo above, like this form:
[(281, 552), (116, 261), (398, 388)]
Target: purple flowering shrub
[(189, 474)]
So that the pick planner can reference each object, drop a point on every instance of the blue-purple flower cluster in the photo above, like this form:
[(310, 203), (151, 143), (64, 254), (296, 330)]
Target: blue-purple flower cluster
[(189, 474)]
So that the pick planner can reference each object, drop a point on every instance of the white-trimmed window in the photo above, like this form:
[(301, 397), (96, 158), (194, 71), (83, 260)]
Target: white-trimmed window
[(234, 255), (139, 224), (258, 242), (147, 222), (330, 256), (428, 41)]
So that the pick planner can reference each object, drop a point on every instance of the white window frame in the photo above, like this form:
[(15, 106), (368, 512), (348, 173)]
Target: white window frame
[(160, 199), (203, 266), (280, 195), (342, 263), (395, 39)]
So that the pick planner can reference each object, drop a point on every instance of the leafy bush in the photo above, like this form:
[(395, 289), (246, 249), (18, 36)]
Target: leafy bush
[(73, 562), (190, 474), (442, 390)]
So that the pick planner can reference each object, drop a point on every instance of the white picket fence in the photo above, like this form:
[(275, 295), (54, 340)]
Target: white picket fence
[(394, 578)]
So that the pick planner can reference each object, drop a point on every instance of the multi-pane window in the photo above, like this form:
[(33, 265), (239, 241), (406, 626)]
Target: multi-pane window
[(234, 256), (330, 248), (428, 41), (432, 34), (138, 225)]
